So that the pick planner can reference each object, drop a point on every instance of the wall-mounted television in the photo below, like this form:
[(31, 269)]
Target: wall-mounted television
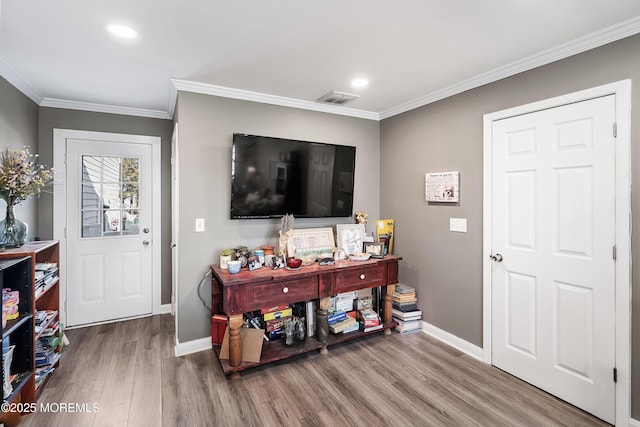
[(271, 177)]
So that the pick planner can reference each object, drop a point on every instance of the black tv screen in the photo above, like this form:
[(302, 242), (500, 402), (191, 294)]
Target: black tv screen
[(271, 177)]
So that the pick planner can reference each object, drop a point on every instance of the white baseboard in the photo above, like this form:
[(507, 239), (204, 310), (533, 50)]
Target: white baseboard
[(634, 423), (184, 348), (454, 341), (165, 309)]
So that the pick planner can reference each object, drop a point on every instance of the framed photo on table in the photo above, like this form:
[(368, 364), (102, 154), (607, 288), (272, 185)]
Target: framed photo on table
[(375, 249), (350, 237), (304, 238)]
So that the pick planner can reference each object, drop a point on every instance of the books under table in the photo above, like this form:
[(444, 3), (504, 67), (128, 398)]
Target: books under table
[(340, 326), (408, 326), (401, 288), (407, 315)]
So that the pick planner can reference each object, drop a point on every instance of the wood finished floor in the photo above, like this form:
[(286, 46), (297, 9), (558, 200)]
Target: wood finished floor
[(129, 370)]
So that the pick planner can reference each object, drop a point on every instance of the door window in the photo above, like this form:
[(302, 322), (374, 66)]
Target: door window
[(110, 196)]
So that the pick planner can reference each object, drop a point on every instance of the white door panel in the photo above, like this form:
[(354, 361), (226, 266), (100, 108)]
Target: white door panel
[(553, 221), (109, 223)]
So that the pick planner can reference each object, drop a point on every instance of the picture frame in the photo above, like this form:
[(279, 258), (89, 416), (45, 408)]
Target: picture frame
[(304, 238), (279, 262), (375, 249), (254, 263), (442, 187), (350, 237)]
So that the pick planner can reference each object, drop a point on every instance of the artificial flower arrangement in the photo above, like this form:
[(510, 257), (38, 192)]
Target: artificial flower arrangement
[(20, 178)]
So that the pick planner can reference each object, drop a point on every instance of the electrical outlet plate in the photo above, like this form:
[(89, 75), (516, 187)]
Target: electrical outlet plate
[(459, 225)]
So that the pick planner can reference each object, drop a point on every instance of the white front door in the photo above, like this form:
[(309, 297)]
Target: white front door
[(553, 226), (109, 228)]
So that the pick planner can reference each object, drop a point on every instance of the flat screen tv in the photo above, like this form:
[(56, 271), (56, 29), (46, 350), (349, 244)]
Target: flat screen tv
[(271, 177)]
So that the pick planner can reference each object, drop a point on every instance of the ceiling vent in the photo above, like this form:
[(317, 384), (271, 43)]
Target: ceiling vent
[(337, 98)]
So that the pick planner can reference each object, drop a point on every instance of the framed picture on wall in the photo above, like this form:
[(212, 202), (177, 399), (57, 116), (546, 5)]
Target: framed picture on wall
[(443, 187)]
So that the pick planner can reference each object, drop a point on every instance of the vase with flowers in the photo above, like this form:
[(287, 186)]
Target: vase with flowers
[(20, 178)]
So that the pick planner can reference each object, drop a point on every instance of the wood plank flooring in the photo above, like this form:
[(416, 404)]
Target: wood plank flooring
[(129, 370)]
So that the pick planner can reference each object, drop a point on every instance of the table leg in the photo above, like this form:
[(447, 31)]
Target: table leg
[(388, 306), (322, 320), (235, 340)]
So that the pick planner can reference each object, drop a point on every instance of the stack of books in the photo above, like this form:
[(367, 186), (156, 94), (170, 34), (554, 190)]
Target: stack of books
[(405, 309), (369, 320)]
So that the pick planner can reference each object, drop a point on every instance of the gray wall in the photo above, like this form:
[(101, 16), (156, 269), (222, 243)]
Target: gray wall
[(51, 118), (19, 129), (206, 125), (446, 267)]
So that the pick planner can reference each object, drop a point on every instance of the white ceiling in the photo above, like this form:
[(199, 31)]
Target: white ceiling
[(290, 52)]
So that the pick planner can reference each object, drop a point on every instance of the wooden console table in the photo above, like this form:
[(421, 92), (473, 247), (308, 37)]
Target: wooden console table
[(235, 294)]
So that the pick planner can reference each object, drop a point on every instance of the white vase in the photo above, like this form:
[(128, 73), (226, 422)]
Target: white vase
[(224, 259)]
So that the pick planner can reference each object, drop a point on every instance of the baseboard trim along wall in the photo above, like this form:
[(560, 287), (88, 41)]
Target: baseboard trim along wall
[(634, 423), (165, 309), (195, 346), (454, 341)]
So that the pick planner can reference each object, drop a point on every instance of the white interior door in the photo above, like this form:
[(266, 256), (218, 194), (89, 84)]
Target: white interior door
[(109, 230), (553, 226)]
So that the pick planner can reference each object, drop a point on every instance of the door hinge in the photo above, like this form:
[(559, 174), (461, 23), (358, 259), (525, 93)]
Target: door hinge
[(615, 254), (615, 129), (615, 375)]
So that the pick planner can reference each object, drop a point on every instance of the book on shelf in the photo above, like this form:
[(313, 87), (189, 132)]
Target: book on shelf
[(370, 328), (340, 326), (407, 315), (337, 316), (354, 327), (368, 317)]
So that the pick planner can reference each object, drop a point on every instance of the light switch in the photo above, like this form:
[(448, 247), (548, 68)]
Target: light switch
[(199, 225), (459, 225)]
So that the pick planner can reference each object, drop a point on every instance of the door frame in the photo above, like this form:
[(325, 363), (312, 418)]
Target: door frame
[(622, 92), (60, 137)]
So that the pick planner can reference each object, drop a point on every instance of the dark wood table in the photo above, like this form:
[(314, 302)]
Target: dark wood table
[(235, 294)]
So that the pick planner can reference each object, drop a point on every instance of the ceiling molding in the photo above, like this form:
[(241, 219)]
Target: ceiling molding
[(227, 92), (102, 108), (19, 83), (574, 47)]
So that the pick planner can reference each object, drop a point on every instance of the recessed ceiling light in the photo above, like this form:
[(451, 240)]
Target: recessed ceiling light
[(360, 83), (122, 31)]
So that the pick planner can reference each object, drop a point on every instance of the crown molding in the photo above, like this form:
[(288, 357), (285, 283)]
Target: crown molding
[(102, 108), (582, 44), (227, 92), (19, 83)]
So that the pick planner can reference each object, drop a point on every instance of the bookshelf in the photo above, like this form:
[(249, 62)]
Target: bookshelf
[(236, 294), (17, 335), (39, 288)]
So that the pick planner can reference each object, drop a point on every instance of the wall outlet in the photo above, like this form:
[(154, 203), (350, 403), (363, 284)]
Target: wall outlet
[(459, 225), (199, 225)]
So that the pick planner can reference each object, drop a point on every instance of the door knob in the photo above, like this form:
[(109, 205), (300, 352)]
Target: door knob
[(496, 257), (145, 230), (145, 242)]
